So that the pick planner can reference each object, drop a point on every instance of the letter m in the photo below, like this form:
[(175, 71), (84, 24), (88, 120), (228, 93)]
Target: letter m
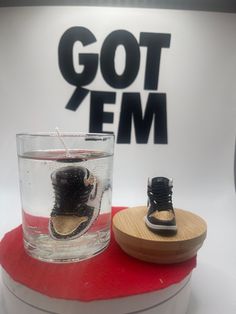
[(131, 110)]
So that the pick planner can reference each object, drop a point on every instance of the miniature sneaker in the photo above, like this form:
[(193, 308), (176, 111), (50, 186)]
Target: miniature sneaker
[(160, 217), (71, 216)]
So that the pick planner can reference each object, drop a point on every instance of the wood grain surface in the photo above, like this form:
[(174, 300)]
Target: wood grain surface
[(138, 241)]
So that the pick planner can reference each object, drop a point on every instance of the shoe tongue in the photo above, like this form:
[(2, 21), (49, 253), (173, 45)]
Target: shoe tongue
[(160, 181)]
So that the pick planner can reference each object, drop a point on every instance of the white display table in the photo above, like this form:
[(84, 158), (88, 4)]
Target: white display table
[(17, 298)]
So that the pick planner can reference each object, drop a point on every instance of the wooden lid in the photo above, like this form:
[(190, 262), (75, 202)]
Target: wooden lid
[(138, 241)]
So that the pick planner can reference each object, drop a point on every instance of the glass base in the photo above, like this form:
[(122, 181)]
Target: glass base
[(44, 248)]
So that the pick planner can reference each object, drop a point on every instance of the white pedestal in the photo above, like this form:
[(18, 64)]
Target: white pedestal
[(18, 299)]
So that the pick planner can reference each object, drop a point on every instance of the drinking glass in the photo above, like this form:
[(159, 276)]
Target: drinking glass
[(66, 189)]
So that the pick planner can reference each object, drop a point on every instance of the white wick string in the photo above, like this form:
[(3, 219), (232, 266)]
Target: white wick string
[(63, 143)]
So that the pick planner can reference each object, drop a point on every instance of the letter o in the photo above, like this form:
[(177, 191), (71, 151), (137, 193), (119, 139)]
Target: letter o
[(107, 62)]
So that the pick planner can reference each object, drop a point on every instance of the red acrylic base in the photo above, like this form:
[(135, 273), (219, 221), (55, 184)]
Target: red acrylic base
[(111, 274)]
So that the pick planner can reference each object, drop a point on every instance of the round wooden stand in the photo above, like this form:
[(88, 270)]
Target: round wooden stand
[(138, 241)]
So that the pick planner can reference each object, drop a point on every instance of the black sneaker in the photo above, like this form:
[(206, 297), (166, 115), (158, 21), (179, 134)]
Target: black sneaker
[(71, 216), (160, 217)]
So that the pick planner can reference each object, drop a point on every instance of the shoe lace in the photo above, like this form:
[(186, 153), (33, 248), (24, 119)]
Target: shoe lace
[(160, 197), (78, 195), (68, 199)]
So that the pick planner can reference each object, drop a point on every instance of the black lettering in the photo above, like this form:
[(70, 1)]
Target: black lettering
[(88, 60), (154, 43), (131, 110), (107, 59), (77, 98), (97, 114)]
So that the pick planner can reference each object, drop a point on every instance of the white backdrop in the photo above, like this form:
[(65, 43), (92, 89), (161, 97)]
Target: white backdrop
[(198, 75)]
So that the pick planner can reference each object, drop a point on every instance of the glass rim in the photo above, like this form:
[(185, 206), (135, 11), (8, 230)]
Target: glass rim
[(65, 134)]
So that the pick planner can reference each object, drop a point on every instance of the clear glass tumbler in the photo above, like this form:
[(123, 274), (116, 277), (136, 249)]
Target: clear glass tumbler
[(66, 188)]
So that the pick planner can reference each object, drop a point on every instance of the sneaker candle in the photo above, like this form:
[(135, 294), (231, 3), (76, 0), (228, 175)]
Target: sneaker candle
[(66, 181)]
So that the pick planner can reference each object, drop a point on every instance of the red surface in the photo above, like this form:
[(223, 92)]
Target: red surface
[(109, 275)]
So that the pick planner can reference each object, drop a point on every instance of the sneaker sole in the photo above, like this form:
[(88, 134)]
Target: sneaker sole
[(163, 229)]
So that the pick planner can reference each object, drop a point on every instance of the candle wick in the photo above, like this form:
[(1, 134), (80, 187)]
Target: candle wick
[(63, 143)]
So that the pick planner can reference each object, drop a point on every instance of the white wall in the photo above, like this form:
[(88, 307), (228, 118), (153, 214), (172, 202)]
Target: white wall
[(197, 73)]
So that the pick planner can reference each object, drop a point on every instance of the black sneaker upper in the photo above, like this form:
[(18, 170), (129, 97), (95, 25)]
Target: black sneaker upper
[(160, 194), (159, 201), (71, 192)]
